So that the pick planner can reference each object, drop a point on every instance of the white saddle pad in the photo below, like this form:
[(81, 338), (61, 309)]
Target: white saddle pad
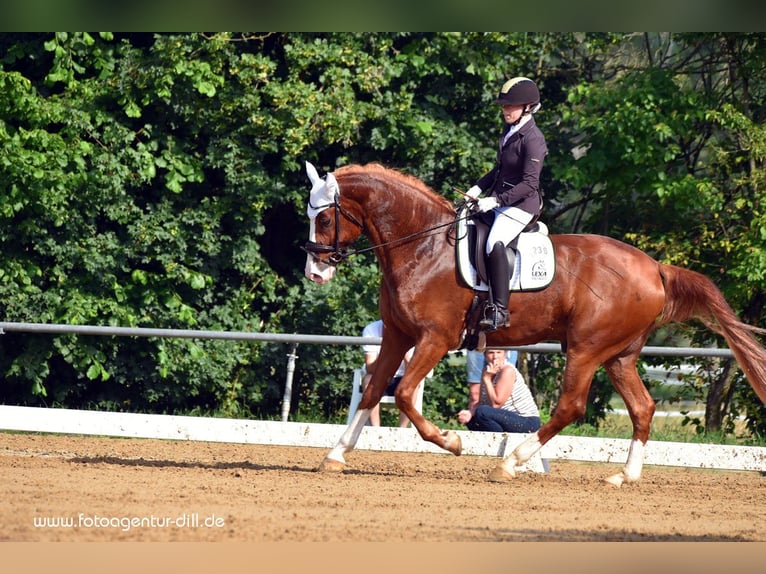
[(535, 264)]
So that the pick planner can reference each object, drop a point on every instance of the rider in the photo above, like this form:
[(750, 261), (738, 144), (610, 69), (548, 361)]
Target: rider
[(512, 188)]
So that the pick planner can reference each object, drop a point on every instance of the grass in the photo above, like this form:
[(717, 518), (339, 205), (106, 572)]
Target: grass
[(665, 428), (669, 399)]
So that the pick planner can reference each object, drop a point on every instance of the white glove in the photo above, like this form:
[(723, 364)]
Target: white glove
[(474, 192), (486, 204)]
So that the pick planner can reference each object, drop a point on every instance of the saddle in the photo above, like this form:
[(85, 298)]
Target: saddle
[(533, 263), (531, 255)]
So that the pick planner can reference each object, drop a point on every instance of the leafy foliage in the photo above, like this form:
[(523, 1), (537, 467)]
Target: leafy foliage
[(157, 180)]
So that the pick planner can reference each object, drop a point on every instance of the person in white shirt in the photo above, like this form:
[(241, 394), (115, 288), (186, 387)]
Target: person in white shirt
[(375, 329)]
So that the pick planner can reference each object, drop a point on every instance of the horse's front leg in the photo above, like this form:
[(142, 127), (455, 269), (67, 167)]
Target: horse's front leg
[(448, 440), (389, 358), (631, 472), (335, 461)]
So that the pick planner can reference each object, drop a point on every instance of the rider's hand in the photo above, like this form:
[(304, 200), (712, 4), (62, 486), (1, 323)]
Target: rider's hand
[(487, 203), (474, 192)]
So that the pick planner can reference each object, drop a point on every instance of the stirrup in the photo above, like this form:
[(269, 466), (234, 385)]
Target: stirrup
[(494, 318)]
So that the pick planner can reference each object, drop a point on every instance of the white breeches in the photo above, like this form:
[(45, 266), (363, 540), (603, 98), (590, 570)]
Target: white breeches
[(509, 223)]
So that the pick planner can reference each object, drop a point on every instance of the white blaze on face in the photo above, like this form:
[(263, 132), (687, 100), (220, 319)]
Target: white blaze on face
[(317, 271)]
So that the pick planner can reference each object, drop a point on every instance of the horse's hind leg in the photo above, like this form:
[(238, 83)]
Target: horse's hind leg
[(578, 376), (622, 371)]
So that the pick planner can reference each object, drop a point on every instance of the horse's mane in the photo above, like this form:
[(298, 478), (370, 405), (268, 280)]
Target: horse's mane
[(383, 172)]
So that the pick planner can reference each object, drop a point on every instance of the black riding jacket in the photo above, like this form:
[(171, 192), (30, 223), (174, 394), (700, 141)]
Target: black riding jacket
[(515, 179)]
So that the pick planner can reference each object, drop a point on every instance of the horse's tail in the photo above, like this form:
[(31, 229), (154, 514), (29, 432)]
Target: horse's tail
[(691, 295)]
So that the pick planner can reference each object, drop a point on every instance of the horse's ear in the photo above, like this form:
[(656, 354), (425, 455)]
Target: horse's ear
[(323, 192), (311, 171)]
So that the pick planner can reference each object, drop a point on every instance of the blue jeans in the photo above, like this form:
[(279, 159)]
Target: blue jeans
[(489, 419)]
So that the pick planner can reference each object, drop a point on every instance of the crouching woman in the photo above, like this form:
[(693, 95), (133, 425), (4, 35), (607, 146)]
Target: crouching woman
[(501, 402)]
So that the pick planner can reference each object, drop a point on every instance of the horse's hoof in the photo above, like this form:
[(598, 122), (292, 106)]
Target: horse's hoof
[(331, 465), (452, 443), (499, 474), (615, 481)]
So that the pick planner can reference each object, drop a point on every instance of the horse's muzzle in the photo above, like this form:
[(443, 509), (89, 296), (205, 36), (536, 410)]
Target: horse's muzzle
[(317, 270)]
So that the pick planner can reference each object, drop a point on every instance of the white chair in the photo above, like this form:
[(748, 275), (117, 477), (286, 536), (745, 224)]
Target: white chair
[(386, 400)]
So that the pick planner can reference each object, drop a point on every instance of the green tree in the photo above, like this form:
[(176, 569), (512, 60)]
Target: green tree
[(669, 156)]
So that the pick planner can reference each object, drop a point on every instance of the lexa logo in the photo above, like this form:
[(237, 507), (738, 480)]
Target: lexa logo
[(539, 271)]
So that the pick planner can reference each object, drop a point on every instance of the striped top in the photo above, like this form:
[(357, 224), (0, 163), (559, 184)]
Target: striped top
[(521, 400)]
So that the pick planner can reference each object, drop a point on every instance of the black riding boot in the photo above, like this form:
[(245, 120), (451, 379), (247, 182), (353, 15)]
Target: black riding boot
[(499, 278)]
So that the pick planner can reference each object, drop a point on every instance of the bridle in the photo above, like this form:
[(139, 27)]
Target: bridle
[(339, 254)]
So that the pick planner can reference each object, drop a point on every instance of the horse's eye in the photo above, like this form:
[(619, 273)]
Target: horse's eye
[(323, 220)]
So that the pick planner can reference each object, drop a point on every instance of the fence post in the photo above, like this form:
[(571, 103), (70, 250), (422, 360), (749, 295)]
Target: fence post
[(287, 397)]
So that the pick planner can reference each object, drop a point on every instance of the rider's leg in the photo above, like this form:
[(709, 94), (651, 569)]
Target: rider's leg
[(509, 223), (499, 278)]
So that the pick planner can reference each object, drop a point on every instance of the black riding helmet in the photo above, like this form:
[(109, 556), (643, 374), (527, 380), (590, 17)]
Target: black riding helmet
[(519, 91)]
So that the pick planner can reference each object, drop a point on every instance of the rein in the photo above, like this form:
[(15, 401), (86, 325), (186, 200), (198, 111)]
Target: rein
[(339, 254)]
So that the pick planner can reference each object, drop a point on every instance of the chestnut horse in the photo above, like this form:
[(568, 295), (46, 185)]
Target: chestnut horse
[(604, 301)]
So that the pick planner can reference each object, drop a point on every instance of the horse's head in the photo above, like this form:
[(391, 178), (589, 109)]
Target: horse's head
[(328, 239)]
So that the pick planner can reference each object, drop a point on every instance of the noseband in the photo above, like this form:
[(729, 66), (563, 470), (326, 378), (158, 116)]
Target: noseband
[(338, 253)]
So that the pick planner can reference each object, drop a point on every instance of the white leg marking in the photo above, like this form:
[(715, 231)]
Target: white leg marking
[(522, 453), (635, 462), (350, 436), (631, 472)]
